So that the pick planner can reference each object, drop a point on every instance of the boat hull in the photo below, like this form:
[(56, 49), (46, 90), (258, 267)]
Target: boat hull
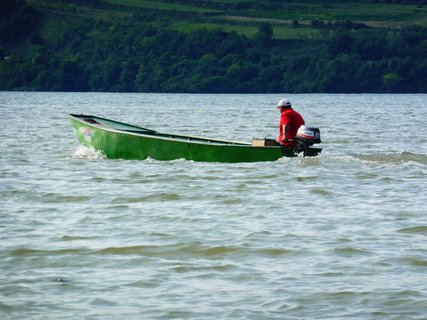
[(122, 141)]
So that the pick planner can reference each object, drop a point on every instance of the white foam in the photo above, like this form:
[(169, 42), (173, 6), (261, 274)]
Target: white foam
[(83, 152)]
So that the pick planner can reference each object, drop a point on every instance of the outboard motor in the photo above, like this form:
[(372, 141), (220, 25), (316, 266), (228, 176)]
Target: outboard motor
[(305, 138)]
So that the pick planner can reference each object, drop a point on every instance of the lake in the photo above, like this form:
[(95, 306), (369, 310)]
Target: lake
[(338, 236)]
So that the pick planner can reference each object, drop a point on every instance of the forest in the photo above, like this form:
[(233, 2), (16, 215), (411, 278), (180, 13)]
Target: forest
[(60, 45)]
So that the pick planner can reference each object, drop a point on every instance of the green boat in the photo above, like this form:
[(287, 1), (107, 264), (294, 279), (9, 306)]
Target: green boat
[(118, 140)]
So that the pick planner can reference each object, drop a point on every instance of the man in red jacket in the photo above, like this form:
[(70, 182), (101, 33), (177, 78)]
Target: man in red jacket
[(290, 121)]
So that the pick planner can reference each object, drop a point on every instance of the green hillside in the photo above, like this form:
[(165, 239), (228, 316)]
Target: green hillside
[(213, 46)]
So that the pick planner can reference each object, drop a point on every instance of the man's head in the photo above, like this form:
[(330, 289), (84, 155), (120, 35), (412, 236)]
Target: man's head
[(284, 104)]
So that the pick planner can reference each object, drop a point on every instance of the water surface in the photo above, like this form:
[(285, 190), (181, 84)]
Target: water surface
[(342, 235)]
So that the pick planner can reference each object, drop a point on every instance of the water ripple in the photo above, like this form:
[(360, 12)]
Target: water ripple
[(414, 230), (339, 236), (378, 159)]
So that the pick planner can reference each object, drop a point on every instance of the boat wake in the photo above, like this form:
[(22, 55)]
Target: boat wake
[(83, 152), (394, 158), (389, 160)]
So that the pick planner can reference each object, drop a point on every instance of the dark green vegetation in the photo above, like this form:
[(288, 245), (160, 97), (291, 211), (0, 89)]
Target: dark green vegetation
[(213, 46)]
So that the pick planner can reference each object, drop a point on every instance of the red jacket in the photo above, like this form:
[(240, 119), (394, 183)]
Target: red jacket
[(295, 120)]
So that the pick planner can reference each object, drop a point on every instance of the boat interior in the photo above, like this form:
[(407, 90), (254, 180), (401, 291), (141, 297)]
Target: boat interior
[(107, 124)]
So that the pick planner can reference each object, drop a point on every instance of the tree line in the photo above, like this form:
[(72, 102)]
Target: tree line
[(128, 56)]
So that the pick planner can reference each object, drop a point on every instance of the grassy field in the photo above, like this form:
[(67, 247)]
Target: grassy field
[(226, 15), (351, 10), (280, 16), (159, 5), (280, 32)]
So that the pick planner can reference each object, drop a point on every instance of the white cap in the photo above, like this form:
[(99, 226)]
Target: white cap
[(284, 103)]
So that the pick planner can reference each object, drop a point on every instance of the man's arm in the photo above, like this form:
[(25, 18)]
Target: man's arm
[(285, 131)]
